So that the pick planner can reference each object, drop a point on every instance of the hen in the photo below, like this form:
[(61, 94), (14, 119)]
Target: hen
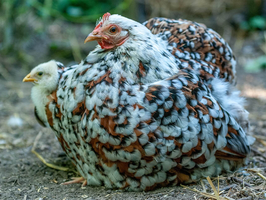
[(129, 118)]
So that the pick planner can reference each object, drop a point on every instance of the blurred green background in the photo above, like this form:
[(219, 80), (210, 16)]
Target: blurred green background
[(34, 31)]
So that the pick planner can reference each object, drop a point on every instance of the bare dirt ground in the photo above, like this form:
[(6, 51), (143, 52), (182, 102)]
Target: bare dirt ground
[(24, 176)]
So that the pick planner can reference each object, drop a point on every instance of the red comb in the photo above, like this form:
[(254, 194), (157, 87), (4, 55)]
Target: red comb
[(106, 16)]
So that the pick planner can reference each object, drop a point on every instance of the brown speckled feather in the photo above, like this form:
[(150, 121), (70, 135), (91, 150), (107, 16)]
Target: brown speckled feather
[(187, 131), (194, 41)]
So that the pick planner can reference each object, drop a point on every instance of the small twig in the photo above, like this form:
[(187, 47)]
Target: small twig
[(263, 177), (262, 137), (255, 170), (36, 141), (258, 152), (259, 187), (241, 181), (246, 198), (218, 185), (261, 141), (213, 188), (228, 187), (204, 193), (203, 186), (41, 158)]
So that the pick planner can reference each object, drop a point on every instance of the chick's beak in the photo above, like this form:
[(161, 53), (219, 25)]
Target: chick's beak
[(94, 35), (28, 78)]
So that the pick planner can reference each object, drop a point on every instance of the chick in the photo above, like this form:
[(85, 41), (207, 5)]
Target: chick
[(45, 78)]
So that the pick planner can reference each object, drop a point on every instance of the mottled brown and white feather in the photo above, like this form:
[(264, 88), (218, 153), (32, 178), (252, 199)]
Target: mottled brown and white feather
[(198, 46)]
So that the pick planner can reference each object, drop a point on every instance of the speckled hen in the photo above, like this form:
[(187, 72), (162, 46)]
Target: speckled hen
[(129, 118)]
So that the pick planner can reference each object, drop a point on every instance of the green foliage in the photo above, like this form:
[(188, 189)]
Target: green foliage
[(79, 11), (15, 15), (27, 26), (254, 23), (256, 65), (10, 12)]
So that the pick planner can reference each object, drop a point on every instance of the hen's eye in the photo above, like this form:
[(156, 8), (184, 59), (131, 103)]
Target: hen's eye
[(113, 29), (40, 73)]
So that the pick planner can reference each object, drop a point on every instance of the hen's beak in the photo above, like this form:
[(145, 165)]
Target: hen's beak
[(93, 36), (28, 78)]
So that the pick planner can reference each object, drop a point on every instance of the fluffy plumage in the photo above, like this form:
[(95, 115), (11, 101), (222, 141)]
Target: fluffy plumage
[(203, 50), (196, 45), (129, 118), (45, 78)]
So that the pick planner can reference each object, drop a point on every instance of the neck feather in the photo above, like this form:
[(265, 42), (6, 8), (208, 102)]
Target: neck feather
[(143, 61)]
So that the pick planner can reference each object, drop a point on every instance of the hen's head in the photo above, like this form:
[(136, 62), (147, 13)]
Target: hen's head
[(115, 30), (44, 75)]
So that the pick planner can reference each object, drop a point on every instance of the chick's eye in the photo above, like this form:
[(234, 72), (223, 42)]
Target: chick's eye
[(113, 29), (40, 73)]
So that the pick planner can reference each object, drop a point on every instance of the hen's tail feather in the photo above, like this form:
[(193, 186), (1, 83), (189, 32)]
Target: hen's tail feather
[(230, 99)]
